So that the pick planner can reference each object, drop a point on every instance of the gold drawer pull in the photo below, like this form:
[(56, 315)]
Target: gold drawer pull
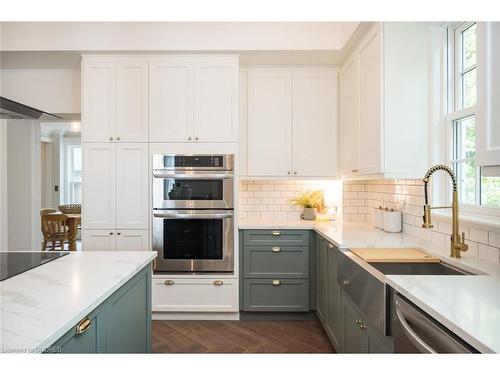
[(84, 325), (276, 282), (276, 233), (276, 249), (218, 282), (330, 246), (169, 282)]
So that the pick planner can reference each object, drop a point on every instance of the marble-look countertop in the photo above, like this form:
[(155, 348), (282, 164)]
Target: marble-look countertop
[(38, 306), (469, 305)]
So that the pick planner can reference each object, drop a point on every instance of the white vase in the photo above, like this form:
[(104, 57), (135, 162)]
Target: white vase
[(309, 213)]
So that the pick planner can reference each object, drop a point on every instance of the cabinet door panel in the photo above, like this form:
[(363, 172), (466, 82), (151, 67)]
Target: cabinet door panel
[(354, 337), (216, 99), (323, 281), (315, 123), (132, 99), (132, 186), (98, 109), (349, 102), (269, 122), (132, 240), (98, 240), (171, 99), (370, 104), (99, 177)]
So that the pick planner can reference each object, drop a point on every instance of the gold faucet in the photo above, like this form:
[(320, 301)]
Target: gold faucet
[(457, 241)]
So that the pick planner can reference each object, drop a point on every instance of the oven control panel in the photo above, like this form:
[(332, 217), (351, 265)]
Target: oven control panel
[(206, 161)]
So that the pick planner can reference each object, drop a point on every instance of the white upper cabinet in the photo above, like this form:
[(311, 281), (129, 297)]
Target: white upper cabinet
[(132, 99), (385, 110), (216, 99), (193, 99), (98, 99), (171, 99), (315, 123), (488, 117), (269, 122), (292, 122), (99, 186), (115, 99), (370, 114), (132, 186), (349, 117)]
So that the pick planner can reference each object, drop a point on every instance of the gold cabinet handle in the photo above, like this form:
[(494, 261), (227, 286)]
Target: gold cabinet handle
[(218, 282), (276, 282), (295, 172), (110, 138), (276, 233), (189, 138), (196, 138), (330, 246), (83, 325), (288, 172), (169, 282), (276, 249), (117, 138)]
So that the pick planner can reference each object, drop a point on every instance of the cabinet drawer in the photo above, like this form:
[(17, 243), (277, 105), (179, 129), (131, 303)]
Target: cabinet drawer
[(276, 237), (276, 295), (276, 262), (189, 295)]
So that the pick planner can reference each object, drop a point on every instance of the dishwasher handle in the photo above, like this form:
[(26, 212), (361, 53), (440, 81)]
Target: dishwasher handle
[(420, 344)]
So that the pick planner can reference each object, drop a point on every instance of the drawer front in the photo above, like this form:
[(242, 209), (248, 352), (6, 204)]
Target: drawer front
[(276, 262), (276, 295), (191, 295), (276, 237)]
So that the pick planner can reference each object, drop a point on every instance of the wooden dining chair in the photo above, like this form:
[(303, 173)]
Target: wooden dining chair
[(55, 230)]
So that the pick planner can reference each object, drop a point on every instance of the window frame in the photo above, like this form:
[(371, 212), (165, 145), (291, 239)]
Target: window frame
[(69, 143), (455, 112)]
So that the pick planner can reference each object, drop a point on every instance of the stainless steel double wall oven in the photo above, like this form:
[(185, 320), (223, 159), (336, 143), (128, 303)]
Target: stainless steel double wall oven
[(193, 208)]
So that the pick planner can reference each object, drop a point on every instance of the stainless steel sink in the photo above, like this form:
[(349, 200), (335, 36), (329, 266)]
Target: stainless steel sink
[(417, 269)]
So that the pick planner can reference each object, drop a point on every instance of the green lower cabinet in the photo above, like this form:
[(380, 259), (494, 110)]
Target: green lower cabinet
[(322, 283), (86, 337), (335, 322), (121, 324)]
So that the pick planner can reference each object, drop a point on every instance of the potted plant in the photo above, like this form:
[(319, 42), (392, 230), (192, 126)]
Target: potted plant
[(311, 201)]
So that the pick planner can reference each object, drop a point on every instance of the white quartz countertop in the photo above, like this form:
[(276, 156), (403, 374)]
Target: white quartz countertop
[(468, 305), (38, 306)]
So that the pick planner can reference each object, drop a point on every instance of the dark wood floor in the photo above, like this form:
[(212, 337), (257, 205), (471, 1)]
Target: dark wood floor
[(203, 336)]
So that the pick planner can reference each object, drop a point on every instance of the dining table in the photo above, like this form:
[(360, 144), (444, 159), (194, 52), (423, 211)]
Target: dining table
[(73, 221)]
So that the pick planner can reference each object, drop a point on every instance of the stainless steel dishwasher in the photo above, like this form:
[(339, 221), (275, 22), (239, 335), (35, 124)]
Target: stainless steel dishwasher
[(416, 332)]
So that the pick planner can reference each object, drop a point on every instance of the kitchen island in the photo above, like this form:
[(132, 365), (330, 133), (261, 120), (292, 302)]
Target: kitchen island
[(82, 302)]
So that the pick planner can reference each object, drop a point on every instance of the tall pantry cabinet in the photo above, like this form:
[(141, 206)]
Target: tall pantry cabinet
[(115, 210)]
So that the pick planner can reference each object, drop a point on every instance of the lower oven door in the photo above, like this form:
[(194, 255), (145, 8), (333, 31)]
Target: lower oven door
[(194, 240)]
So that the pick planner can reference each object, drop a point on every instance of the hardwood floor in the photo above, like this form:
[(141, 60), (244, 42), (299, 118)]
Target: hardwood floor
[(204, 336)]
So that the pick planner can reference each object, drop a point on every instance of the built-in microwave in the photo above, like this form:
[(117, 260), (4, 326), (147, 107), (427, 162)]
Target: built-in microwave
[(193, 181)]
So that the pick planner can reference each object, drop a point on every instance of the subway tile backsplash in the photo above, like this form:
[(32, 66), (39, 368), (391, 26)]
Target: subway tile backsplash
[(362, 196)]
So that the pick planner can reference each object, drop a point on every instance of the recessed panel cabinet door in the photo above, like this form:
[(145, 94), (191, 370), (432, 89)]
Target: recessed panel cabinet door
[(216, 99), (98, 240), (269, 122), (349, 120), (98, 101), (132, 186), (370, 107), (132, 240), (171, 99), (99, 177), (315, 123), (132, 99)]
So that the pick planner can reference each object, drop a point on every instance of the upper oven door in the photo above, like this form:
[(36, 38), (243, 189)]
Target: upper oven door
[(204, 189)]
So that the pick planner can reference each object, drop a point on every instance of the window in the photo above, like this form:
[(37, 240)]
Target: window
[(476, 191), (73, 172)]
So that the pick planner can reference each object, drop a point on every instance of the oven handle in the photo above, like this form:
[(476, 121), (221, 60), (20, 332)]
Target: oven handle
[(172, 215), (194, 176)]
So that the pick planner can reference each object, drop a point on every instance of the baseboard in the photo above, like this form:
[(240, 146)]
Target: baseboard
[(196, 316), (310, 315)]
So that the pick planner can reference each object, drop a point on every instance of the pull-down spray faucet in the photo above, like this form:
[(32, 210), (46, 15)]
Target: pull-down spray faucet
[(457, 241)]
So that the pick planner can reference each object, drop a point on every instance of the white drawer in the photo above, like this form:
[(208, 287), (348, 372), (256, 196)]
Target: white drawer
[(189, 295)]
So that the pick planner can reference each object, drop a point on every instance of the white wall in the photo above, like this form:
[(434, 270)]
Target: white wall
[(52, 90), (174, 36), (23, 185)]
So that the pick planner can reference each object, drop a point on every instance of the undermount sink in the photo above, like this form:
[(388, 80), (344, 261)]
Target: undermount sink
[(409, 268)]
